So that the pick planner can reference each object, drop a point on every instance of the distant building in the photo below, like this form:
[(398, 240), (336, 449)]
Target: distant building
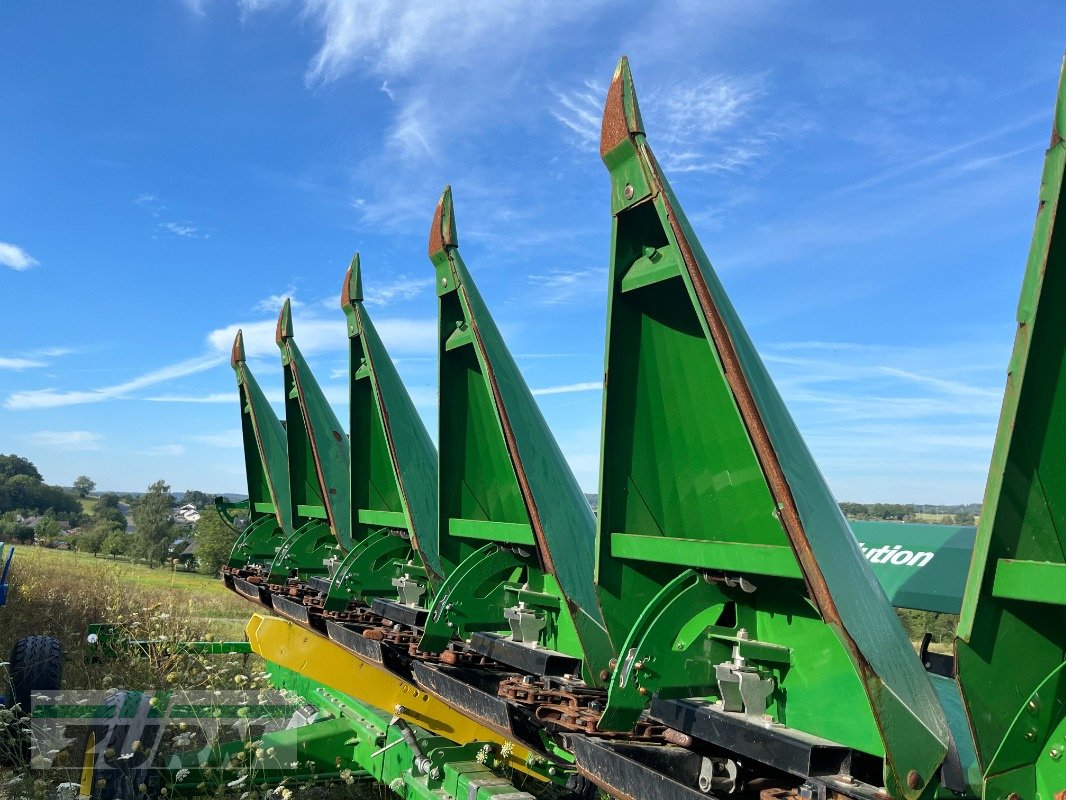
[(187, 514)]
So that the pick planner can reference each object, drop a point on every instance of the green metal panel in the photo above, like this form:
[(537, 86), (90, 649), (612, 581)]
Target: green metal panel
[(265, 450), (698, 445), (319, 451), (1011, 645), (499, 462), (919, 566), (394, 462)]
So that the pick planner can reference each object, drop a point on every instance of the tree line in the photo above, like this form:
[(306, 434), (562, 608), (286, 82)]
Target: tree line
[(909, 512)]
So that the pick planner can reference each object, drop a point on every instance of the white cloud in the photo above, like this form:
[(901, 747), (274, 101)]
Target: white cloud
[(54, 398), (232, 438), (272, 304), (67, 440), (15, 257), (586, 386)]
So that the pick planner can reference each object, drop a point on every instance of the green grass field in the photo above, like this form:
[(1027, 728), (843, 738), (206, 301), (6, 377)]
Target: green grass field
[(88, 504), (60, 593)]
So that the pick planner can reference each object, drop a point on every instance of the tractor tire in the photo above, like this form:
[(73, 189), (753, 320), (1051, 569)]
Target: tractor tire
[(36, 664)]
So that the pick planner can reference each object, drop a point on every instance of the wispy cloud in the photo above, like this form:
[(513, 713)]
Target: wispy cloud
[(54, 398), (563, 286), (580, 110), (939, 154), (394, 38), (186, 230), (916, 419), (15, 257), (67, 440), (272, 304), (214, 397), (570, 388), (231, 438), (403, 287), (151, 202), (34, 358), (154, 204), (699, 127), (20, 363)]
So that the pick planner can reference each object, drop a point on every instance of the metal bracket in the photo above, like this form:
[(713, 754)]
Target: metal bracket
[(409, 590), (525, 624), (743, 688)]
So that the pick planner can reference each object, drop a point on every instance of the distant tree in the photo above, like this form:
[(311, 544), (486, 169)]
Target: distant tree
[(214, 540), (53, 497), (112, 515), (21, 492), (13, 465), (11, 530), (84, 485), (116, 543), (92, 540), (965, 519), (47, 531), (153, 525), (855, 510), (79, 520), (197, 498), (107, 500)]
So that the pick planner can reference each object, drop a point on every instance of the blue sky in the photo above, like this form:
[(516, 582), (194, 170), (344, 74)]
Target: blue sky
[(865, 183)]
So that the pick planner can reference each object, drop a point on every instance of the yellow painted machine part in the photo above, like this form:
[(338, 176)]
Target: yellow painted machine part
[(88, 764), (303, 651)]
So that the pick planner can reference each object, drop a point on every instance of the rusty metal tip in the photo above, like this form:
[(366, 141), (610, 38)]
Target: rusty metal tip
[(621, 114), (442, 232), (237, 353), (284, 329), (352, 291)]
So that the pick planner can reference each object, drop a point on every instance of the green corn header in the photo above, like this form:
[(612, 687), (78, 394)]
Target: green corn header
[(719, 628)]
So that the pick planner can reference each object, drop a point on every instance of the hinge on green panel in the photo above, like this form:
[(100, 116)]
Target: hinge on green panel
[(460, 336), (654, 266)]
